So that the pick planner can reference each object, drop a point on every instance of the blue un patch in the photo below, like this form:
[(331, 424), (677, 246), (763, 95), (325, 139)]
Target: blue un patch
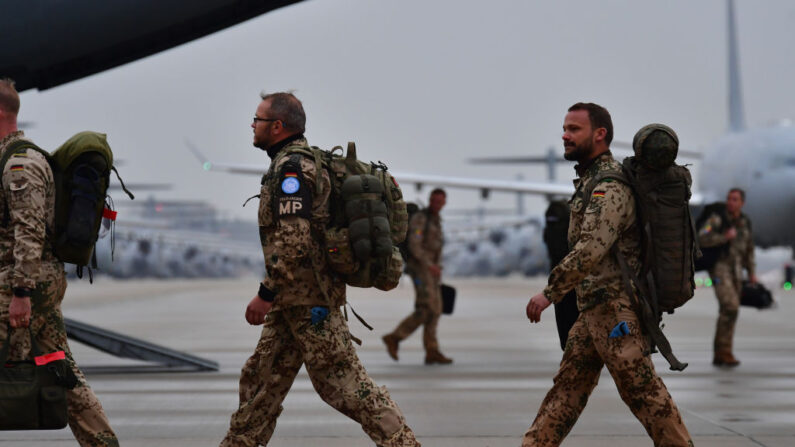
[(290, 185)]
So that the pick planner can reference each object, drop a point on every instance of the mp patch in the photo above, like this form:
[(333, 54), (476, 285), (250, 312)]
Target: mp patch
[(292, 198)]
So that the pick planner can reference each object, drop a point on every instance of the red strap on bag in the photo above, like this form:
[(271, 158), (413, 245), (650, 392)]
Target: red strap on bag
[(47, 358), (109, 214)]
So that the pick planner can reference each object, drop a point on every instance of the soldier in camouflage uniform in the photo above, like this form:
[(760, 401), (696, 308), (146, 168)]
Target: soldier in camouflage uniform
[(299, 301), (732, 230), (425, 241), (607, 331), (32, 279)]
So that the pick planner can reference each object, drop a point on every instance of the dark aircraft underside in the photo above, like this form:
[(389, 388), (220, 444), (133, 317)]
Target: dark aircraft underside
[(47, 43)]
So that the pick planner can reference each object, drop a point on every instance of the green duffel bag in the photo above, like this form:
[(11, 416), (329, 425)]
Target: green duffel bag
[(33, 392)]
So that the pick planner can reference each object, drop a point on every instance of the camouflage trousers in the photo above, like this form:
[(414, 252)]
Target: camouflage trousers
[(589, 347), (427, 310), (87, 419), (727, 289), (289, 340)]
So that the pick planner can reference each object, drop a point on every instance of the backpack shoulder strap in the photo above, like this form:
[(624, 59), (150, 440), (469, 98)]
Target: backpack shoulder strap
[(617, 175), (317, 155)]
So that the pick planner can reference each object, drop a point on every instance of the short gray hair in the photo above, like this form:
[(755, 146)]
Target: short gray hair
[(288, 109)]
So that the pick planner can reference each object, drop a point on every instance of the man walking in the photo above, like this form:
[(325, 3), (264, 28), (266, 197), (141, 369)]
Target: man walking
[(299, 301), (607, 331), (731, 231), (32, 279), (425, 241)]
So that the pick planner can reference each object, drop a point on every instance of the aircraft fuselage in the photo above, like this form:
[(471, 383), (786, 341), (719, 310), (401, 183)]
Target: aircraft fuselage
[(762, 162)]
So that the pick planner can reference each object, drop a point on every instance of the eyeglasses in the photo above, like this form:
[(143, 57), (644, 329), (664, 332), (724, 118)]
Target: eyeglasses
[(256, 118)]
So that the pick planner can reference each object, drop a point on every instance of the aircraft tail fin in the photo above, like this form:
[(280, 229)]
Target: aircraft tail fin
[(736, 110)]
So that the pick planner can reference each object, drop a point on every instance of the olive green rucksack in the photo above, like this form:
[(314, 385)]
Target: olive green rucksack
[(81, 170), (368, 218), (669, 245), (668, 237)]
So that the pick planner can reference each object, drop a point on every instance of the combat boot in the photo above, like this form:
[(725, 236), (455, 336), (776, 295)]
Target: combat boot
[(436, 356), (725, 359), (391, 341)]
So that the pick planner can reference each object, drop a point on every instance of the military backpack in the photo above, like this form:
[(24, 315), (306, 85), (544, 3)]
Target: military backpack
[(710, 255), (368, 218), (81, 169), (668, 238)]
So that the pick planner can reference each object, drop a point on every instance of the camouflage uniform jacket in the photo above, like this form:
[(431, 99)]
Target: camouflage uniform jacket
[(425, 240), (292, 237), (740, 253), (27, 200), (608, 218)]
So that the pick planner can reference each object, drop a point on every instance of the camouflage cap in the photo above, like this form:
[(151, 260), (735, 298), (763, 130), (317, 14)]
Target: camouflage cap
[(656, 146)]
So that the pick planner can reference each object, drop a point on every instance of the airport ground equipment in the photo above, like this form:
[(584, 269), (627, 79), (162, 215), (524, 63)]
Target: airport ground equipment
[(124, 346)]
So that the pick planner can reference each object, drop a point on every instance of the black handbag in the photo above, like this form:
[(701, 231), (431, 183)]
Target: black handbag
[(33, 392), (756, 295), (448, 299)]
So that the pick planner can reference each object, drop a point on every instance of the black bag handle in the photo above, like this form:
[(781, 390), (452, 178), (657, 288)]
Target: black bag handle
[(34, 347)]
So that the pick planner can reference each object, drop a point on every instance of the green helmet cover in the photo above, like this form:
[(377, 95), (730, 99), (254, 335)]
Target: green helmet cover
[(656, 146)]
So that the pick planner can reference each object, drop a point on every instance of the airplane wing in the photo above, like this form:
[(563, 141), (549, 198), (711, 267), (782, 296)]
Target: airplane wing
[(485, 186), (55, 42)]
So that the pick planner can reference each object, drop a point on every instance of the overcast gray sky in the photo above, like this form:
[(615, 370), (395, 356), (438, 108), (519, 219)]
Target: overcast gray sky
[(425, 85)]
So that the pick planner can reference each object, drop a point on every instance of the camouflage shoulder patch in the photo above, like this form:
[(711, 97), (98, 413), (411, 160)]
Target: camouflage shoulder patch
[(293, 197)]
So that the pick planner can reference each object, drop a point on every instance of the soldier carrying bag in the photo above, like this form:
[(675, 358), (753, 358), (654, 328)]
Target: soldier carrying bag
[(33, 392)]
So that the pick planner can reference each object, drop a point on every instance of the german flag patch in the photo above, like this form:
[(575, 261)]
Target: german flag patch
[(16, 168), (598, 194)]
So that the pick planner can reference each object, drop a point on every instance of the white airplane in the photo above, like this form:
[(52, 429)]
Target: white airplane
[(760, 161)]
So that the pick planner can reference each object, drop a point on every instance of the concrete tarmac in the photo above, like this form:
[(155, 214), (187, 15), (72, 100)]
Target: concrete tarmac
[(488, 397)]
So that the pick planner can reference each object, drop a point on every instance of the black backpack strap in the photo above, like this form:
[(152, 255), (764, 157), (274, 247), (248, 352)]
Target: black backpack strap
[(132, 197), (646, 315)]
